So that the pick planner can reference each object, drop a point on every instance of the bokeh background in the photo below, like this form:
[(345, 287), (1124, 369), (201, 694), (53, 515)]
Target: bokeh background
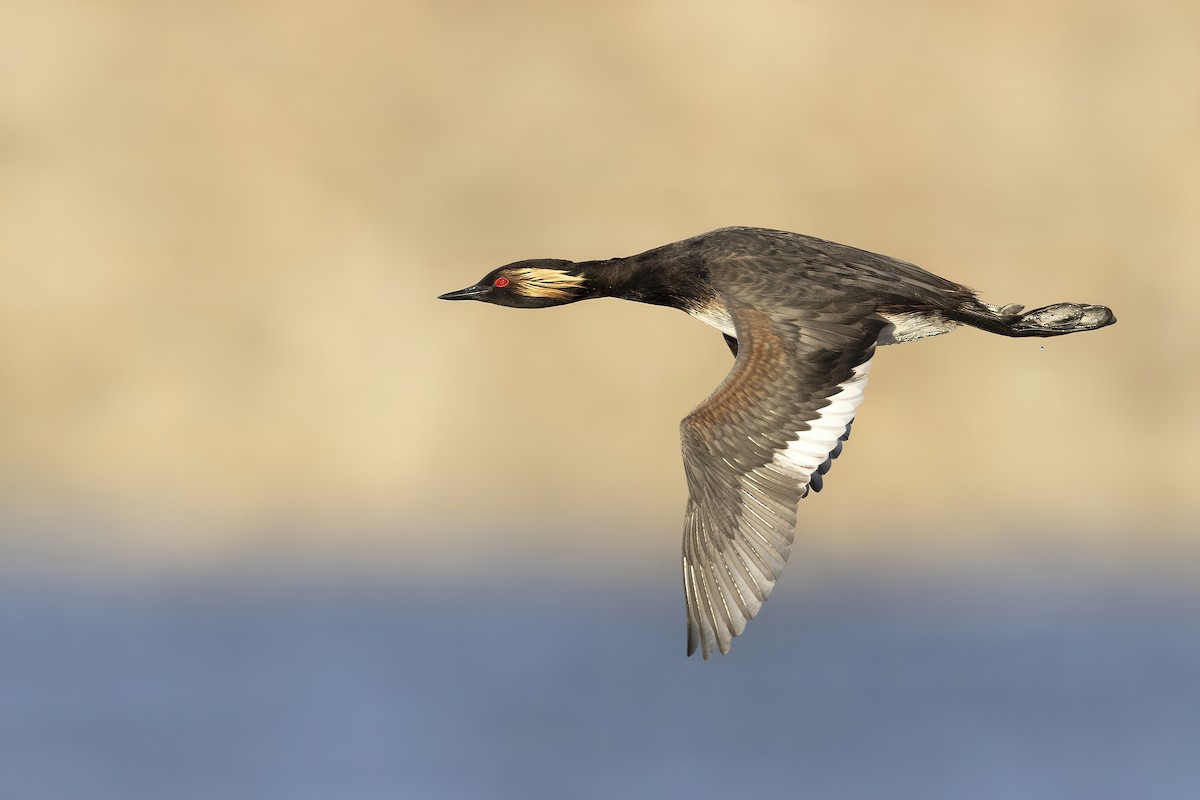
[(276, 523)]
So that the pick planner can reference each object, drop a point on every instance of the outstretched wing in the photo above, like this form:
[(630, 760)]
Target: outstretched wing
[(756, 446)]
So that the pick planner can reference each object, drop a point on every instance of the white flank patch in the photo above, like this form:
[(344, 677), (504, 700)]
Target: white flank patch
[(811, 447), (714, 314), (910, 326)]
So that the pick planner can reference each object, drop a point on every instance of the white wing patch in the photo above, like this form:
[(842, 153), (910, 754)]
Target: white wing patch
[(810, 449)]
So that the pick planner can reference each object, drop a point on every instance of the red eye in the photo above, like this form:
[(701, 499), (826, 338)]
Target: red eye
[(501, 282)]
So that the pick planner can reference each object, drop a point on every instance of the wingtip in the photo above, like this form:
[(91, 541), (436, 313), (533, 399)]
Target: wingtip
[(696, 641)]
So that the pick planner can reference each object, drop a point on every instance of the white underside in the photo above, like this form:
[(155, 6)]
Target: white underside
[(715, 315), (910, 326), (903, 327)]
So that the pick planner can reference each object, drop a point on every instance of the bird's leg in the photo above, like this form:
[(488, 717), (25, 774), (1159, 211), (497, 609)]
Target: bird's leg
[(1053, 320), (1062, 318)]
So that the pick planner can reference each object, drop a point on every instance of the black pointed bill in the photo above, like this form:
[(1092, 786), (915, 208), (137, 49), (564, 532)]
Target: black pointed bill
[(469, 293)]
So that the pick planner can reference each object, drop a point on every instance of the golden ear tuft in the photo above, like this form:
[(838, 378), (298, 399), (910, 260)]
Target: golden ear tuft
[(552, 284)]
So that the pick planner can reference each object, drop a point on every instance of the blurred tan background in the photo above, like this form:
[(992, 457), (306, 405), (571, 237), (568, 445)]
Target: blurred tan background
[(224, 225)]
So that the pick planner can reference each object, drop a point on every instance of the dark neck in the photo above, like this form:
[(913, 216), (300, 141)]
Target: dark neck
[(660, 277)]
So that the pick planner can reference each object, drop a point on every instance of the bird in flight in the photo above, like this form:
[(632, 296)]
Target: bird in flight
[(802, 317)]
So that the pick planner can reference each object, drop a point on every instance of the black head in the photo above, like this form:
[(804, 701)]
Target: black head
[(538, 283)]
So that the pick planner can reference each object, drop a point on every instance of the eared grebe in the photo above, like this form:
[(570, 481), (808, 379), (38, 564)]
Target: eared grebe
[(803, 317)]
